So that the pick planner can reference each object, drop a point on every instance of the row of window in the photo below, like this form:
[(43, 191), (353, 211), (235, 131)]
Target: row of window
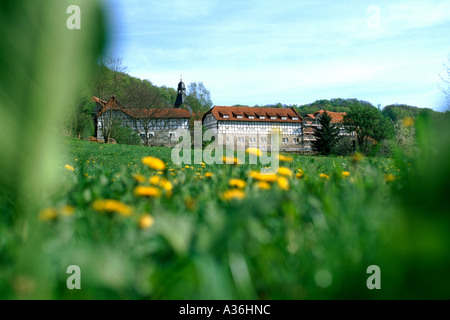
[(251, 140), (226, 116)]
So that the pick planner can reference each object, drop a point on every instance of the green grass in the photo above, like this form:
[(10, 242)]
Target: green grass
[(313, 240)]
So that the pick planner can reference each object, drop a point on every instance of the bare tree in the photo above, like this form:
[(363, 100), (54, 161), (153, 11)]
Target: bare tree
[(446, 79)]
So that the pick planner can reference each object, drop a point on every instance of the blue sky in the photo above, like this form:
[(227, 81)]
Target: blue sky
[(290, 51)]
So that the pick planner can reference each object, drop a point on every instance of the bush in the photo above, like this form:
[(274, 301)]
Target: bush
[(343, 147), (125, 135)]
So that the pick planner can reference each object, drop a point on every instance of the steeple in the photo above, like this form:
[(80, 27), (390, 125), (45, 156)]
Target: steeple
[(181, 94)]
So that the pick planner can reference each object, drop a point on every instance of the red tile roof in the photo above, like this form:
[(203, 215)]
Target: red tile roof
[(246, 112), (138, 113), (336, 117)]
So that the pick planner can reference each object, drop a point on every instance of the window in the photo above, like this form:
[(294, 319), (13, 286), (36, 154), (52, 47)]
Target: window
[(225, 116), (273, 118), (283, 118), (262, 117), (228, 139), (251, 117), (240, 117), (295, 118), (172, 135), (151, 134), (285, 140)]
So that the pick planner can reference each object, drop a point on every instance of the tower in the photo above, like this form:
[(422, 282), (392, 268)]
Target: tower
[(181, 94)]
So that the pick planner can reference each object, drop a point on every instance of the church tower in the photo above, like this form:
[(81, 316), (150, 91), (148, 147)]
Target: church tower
[(181, 97)]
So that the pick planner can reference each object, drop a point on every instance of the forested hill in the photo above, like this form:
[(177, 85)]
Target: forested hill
[(393, 111)]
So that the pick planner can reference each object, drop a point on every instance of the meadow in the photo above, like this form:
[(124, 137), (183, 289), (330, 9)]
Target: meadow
[(140, 227)]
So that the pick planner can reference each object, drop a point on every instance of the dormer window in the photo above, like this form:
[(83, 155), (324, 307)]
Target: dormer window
[(273, 118), (262, 117), (251, 117), (295, 118), (225, 116), (283, 118), (240, 117)]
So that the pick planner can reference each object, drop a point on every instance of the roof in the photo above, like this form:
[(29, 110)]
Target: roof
[(254, 114), (138, 113), (336, 117)]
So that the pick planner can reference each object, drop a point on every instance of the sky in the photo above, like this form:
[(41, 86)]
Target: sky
[(259, 52)]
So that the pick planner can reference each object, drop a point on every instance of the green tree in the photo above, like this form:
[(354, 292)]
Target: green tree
[(326, 135), (125, 135), (366, 122), (198, 98)]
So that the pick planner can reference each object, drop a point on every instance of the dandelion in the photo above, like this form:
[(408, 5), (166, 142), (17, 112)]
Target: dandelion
[(283, 183), (208, 174), (48, 214), (299, 174), (238, 183), (254, 151), (345, 174), (357, 157), (110, 205), (233, 194), (145, 221), (187, 167), (142, 191), (167, 186), (139, 178), (231, 160), (263, 185), (389, 177), (66, 210), (70, 168), (324, 176), (155, 180), (285, 171), (263, 177), (154, 163), (285, 158)]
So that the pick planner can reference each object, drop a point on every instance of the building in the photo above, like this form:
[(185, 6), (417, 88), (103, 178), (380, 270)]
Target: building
[(312, 121), (253, 126), (156, 127)]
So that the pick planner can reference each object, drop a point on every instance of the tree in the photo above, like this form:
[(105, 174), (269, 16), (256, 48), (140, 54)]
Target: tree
[(198, 98), (326, 135), (366, 122), (446, 79)]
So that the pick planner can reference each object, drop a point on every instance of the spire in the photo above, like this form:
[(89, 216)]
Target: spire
[(181, 94)]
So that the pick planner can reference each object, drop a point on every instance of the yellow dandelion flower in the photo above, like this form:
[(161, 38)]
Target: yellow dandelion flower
[(70, 168), (233, 194), (263, 185), (299, 175), (408, 122), (48, 214), (357, 157), (345, 174), (263, 177), (285, 171), (67, 210), (145, 221), (389, 177), (254, 151), (187, 167), (231, 160), (166, 185), (141, 191), (238, 183), (155, 180), (154, 163), (324, 176), (283, 183), (285, 158), (111, 205), (139, 178), (208, 174)]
